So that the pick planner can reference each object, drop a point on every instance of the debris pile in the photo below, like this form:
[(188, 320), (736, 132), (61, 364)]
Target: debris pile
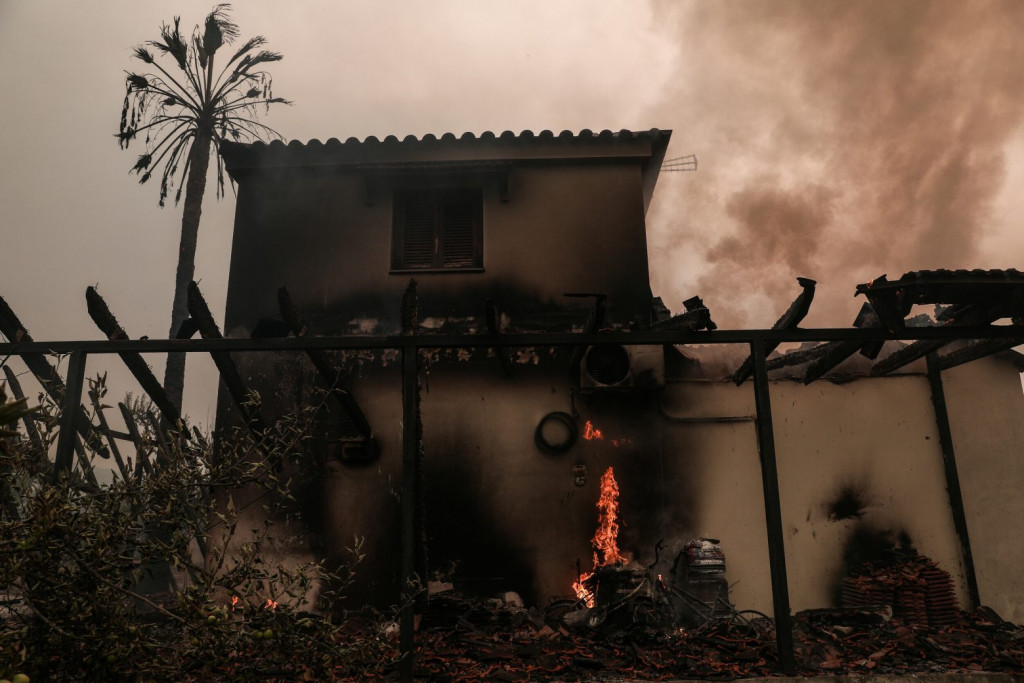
[(875, 642), (470, 639)]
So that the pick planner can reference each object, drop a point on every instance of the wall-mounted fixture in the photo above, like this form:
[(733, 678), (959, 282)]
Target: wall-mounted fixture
[(556, 433)]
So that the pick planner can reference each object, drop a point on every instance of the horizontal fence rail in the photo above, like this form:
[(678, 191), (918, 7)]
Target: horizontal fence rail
[(525, 339)]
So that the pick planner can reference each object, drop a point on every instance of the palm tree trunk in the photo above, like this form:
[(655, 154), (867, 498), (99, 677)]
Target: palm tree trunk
[(195, 187)]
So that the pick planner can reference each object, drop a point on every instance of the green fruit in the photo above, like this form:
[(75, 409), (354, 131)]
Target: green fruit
[(195, 641), (20, 678), (212, 619), (4, 680), (111, 659), (268, 634)]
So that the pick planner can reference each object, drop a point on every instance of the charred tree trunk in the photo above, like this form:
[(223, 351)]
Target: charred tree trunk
[(195, 188)]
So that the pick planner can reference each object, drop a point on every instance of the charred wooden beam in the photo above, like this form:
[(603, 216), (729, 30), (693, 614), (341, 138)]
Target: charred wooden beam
[(956, 500), (30, 424), (696, 317), (798, 356), (208, 329), (494, 328), (69, 415), (48, 376), (105, 320), (323, 366), (977, 349), (772, 509), (411, 307), (893, 300), (888, 303), (796, 312), (919, 349), (839, 351), (413, 518)]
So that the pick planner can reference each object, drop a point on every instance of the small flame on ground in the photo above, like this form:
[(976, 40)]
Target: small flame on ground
[(606, 538), (270, 604), (590, 432), (234, 601)]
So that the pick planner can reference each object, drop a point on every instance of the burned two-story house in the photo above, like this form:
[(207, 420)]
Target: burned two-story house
[(546, 233)]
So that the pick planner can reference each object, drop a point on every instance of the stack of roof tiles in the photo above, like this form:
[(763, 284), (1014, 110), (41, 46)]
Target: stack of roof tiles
[(918, 590)]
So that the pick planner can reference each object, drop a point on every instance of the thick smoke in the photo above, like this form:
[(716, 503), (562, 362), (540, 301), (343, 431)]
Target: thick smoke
[(838, 141)]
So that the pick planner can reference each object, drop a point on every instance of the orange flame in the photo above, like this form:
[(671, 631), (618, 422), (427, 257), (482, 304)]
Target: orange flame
[(270, 604), (234, 601), (590, 432), (606, 538)]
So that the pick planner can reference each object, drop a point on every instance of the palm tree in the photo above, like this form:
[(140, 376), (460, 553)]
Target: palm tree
[(180, 116)]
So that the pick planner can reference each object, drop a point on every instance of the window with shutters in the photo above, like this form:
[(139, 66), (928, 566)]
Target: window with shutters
[(438, 230)]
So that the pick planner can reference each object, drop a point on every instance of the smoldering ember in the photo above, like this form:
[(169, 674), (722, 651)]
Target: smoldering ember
[(559, 476)]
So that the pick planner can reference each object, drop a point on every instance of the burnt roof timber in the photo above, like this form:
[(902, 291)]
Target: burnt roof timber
[(976, 350), (798, 356), (921, 348), (796, 312), (893, 299), (841, 350)]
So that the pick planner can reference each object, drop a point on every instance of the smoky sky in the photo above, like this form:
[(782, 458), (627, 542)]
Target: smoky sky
[(837, 140), (840, 140)]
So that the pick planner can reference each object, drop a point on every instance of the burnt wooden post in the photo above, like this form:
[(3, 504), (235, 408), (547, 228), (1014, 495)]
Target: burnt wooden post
[(28, 420), (409, 451), (69, 411), (410, 478), (772, 509), (956, 501)]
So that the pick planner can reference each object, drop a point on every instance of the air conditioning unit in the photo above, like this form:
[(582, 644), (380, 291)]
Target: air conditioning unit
[(613, 367)]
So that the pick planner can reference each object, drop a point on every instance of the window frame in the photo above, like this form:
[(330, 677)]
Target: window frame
[(437, 197)]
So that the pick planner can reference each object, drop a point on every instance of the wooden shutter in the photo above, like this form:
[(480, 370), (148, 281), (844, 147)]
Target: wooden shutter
[(437, 229), (418, 234), (459, 234)]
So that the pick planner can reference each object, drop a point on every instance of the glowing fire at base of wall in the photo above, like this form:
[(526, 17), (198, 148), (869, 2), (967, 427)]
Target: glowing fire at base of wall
[(606, 538)]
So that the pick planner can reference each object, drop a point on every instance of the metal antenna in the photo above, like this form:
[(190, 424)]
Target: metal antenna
[(679, 164)]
